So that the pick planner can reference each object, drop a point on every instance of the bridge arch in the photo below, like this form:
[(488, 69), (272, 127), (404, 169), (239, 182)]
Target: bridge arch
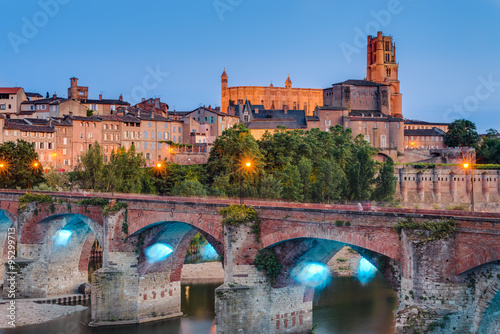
[(7, 222), (57, 258), (298, 251)]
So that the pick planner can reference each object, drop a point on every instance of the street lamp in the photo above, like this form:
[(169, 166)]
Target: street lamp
[(467, 166), (247, 167), (34, 167)]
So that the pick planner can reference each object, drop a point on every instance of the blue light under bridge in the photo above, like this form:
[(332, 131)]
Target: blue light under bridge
[(62, 237), (312, 274), (366, 271), (158, 252)]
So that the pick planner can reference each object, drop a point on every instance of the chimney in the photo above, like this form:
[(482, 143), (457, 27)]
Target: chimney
[(55, 95), (157, 103), (121, 97), (143, 99), (100, 97), (256, 110)]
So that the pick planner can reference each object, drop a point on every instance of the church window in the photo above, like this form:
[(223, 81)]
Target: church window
[(388, 72)]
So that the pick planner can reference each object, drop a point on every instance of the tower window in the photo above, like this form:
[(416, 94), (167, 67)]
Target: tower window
[(388, 72), (387, 57), (387, 46)]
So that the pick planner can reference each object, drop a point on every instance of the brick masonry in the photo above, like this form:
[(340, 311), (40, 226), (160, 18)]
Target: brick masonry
[(437, 274)]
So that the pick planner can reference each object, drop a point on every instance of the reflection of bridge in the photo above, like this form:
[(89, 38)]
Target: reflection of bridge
[(458, 277)]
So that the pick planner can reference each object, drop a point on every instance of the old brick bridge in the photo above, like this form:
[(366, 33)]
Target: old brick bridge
[(448, 285)]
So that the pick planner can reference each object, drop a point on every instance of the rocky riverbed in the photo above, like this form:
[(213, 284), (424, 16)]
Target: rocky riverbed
[(30, 313)]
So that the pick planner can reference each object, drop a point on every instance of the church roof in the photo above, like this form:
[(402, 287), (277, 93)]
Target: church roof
[(224, 74), (354, 82), (288, 81)]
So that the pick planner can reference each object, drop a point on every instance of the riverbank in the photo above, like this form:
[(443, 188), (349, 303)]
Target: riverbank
[(29, 313)]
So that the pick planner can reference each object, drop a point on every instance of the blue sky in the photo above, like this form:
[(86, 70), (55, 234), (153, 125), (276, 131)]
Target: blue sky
[(448, 52)]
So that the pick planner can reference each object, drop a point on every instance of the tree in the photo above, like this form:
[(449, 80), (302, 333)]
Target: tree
[(189, 187), (385, 183), (18, 169), (292, 185), (361, 172), (330, 182), (461, 133), (305, 168), (231, 150), (124, 171), (489, 151), (92, 175)]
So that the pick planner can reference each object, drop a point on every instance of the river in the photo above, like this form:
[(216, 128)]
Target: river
[(345, 306)]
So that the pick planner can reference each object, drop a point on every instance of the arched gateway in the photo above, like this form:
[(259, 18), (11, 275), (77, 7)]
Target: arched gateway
[(432, 275)]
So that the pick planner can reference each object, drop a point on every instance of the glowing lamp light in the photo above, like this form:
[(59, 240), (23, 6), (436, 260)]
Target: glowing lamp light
[(35, 164), (466, 165), (314, 275), (158, 252), (208, 252), (366, 271), (248, 164), (158, 165), (62, 237)]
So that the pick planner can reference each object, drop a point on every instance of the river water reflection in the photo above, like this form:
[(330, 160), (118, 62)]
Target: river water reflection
[(343, 307)]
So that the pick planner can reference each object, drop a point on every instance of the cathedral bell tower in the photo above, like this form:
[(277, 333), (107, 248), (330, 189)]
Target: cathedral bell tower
[(382, 68)]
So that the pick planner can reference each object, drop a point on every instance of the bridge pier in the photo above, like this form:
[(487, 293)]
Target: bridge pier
[(435, 300), (132, 288), (247, 303)]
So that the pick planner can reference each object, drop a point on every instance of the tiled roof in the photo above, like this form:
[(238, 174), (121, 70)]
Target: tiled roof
[(353, 82), (103, 101), (88, 119), (9, 90), (412, 121), (424, 132), (27, 127), (33, 95), (44, 101), (332, 108), (312, 118)]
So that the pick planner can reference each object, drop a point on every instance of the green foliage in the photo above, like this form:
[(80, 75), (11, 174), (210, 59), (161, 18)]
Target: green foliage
[(237, 215), (430, 230), (458, 207), (292, 183), (270, 187), (94, 201), (122, 174), (27, 198), (267, 261), (18, 171), (489, 151), (461, 133), (116, 207), (90, 112), (385, 183), (189, 188)]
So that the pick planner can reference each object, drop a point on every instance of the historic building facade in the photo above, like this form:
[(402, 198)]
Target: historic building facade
[(272, 98)]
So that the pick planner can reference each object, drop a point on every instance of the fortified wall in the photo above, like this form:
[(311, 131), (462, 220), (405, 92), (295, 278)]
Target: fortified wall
[(445, 187)]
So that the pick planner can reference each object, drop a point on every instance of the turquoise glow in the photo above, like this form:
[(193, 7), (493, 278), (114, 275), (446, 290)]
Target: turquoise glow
[(314, 275), (366, 271), (208, 252), (62, 237), (158, 252)]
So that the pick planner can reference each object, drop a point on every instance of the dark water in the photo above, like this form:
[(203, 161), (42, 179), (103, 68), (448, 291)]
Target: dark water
[(344, 307)]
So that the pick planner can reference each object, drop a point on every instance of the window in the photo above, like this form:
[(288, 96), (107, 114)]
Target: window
[(245, 118), (375, 125), (159, 135), (179, 130), (50, 146), (94, 125), (94, 107), (211, 119), (149, 124), (166, 125), (173, 128), (328, 122), (145, 145), (398, 125), (65, 151), (105, 136), (44, 107), (6, 132), (145, 135), (179, 139), (32, 107), (159, 146), (112, 108), (385, 125), (148, 156), (367, 138), (81, 93), (365, 125), (41, 145), (152, 145), (152, 135), (383, 142)]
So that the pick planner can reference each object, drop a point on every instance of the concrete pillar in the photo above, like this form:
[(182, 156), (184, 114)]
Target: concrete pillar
[(453, 187), (432, 298), (420, 186), (436, 185), (246, 303), (403, 184), (485, 186)]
